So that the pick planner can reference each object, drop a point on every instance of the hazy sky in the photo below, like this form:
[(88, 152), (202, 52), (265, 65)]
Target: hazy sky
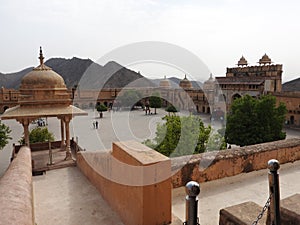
[(219, 32)]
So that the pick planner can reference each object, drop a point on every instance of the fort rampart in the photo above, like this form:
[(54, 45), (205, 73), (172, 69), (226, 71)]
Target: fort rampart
[(16, 193), (215, 165)]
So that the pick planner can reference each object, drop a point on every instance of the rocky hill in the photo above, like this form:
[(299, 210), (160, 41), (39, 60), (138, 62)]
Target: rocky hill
[(84, 72), (293, 85), (13, 80)]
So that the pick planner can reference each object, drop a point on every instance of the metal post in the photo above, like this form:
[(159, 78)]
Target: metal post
[(273, 166), (192, 190), (50, 154)]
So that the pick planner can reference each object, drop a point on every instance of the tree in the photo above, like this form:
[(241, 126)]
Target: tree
[(252, 121), (38, 134), (155, 101), (171, 109), (180, 136), (129, 98), (4, 135), (101, 108)]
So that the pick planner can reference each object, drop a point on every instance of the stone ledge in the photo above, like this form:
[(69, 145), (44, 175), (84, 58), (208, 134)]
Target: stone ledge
[(242, 214), (290, 210), (16, 192), (219, 164)]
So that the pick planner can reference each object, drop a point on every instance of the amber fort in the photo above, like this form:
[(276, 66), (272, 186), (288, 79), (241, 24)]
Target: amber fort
[(62, 182)]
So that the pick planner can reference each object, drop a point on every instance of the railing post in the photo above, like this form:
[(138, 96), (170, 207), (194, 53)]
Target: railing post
[(273, 166), (50, 154), (192, 189)]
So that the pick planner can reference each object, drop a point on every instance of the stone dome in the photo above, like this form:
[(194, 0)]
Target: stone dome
[(185, 83), (209, 84), (42, 77), (165, 83), (43, 86)]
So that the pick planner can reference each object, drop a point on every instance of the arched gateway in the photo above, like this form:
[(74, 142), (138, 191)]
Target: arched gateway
[(43, 93)]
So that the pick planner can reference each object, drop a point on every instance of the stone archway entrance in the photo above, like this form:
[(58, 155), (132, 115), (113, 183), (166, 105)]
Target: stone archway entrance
[(292, 120), (235, 96)]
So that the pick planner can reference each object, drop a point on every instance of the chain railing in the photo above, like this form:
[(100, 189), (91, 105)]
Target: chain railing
[(264, 209), (273, 202), (192, 189)]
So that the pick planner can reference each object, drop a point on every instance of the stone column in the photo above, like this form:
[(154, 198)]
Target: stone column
[(68, 147), (25, 124), (62, 132), (26, 133)]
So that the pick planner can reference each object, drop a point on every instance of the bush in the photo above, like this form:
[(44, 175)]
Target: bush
[(39, 134), (4, 135)]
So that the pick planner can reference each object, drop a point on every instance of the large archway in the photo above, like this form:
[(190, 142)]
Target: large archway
[(292, 120), (235, 96)]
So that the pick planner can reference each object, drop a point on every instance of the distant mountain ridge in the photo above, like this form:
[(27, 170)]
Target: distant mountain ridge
[(83, 71), (293, 85), (112, 75), (13, 80)]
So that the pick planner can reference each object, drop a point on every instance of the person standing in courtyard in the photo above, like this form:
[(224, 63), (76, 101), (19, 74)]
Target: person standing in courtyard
[(96, 123)]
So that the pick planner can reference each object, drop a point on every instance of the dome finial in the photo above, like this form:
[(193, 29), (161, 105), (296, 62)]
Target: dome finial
[(41, 56)]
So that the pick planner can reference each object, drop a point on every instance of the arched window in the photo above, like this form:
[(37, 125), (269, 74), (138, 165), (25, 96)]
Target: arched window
[(5, 108)]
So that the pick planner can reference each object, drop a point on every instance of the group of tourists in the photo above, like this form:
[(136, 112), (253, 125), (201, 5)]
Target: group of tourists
[(95, 124), (147, 108)]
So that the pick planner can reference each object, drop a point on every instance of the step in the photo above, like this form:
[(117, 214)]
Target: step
[(242, 214)]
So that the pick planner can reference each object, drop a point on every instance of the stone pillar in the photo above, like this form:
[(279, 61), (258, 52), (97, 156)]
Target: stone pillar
[(62, 132), (25, 124), (68, 147)]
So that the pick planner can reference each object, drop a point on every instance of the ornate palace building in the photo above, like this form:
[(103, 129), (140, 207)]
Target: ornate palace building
[(185, 97), (216, 95), (264, 78)]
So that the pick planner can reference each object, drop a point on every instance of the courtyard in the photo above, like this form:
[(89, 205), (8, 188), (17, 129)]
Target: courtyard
[(65, 196)]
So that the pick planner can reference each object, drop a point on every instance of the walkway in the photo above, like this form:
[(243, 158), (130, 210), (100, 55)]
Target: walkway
[(66, 197)]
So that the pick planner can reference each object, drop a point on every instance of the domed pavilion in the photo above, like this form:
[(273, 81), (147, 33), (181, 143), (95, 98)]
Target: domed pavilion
[(165, 83), (185, 83), (43, 93)]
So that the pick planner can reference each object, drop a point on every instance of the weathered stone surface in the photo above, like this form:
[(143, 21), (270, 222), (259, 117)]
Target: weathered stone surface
[(242, 214), (215, 165), (16, 198), (140, 172)]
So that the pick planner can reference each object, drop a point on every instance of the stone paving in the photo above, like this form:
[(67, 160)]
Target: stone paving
[(65, 196)]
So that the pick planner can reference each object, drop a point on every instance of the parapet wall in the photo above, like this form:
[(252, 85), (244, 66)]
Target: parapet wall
[(16, 193), (134, 179), (215, 165)]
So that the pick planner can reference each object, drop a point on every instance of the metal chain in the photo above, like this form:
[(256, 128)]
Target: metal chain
[(264, 209)]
